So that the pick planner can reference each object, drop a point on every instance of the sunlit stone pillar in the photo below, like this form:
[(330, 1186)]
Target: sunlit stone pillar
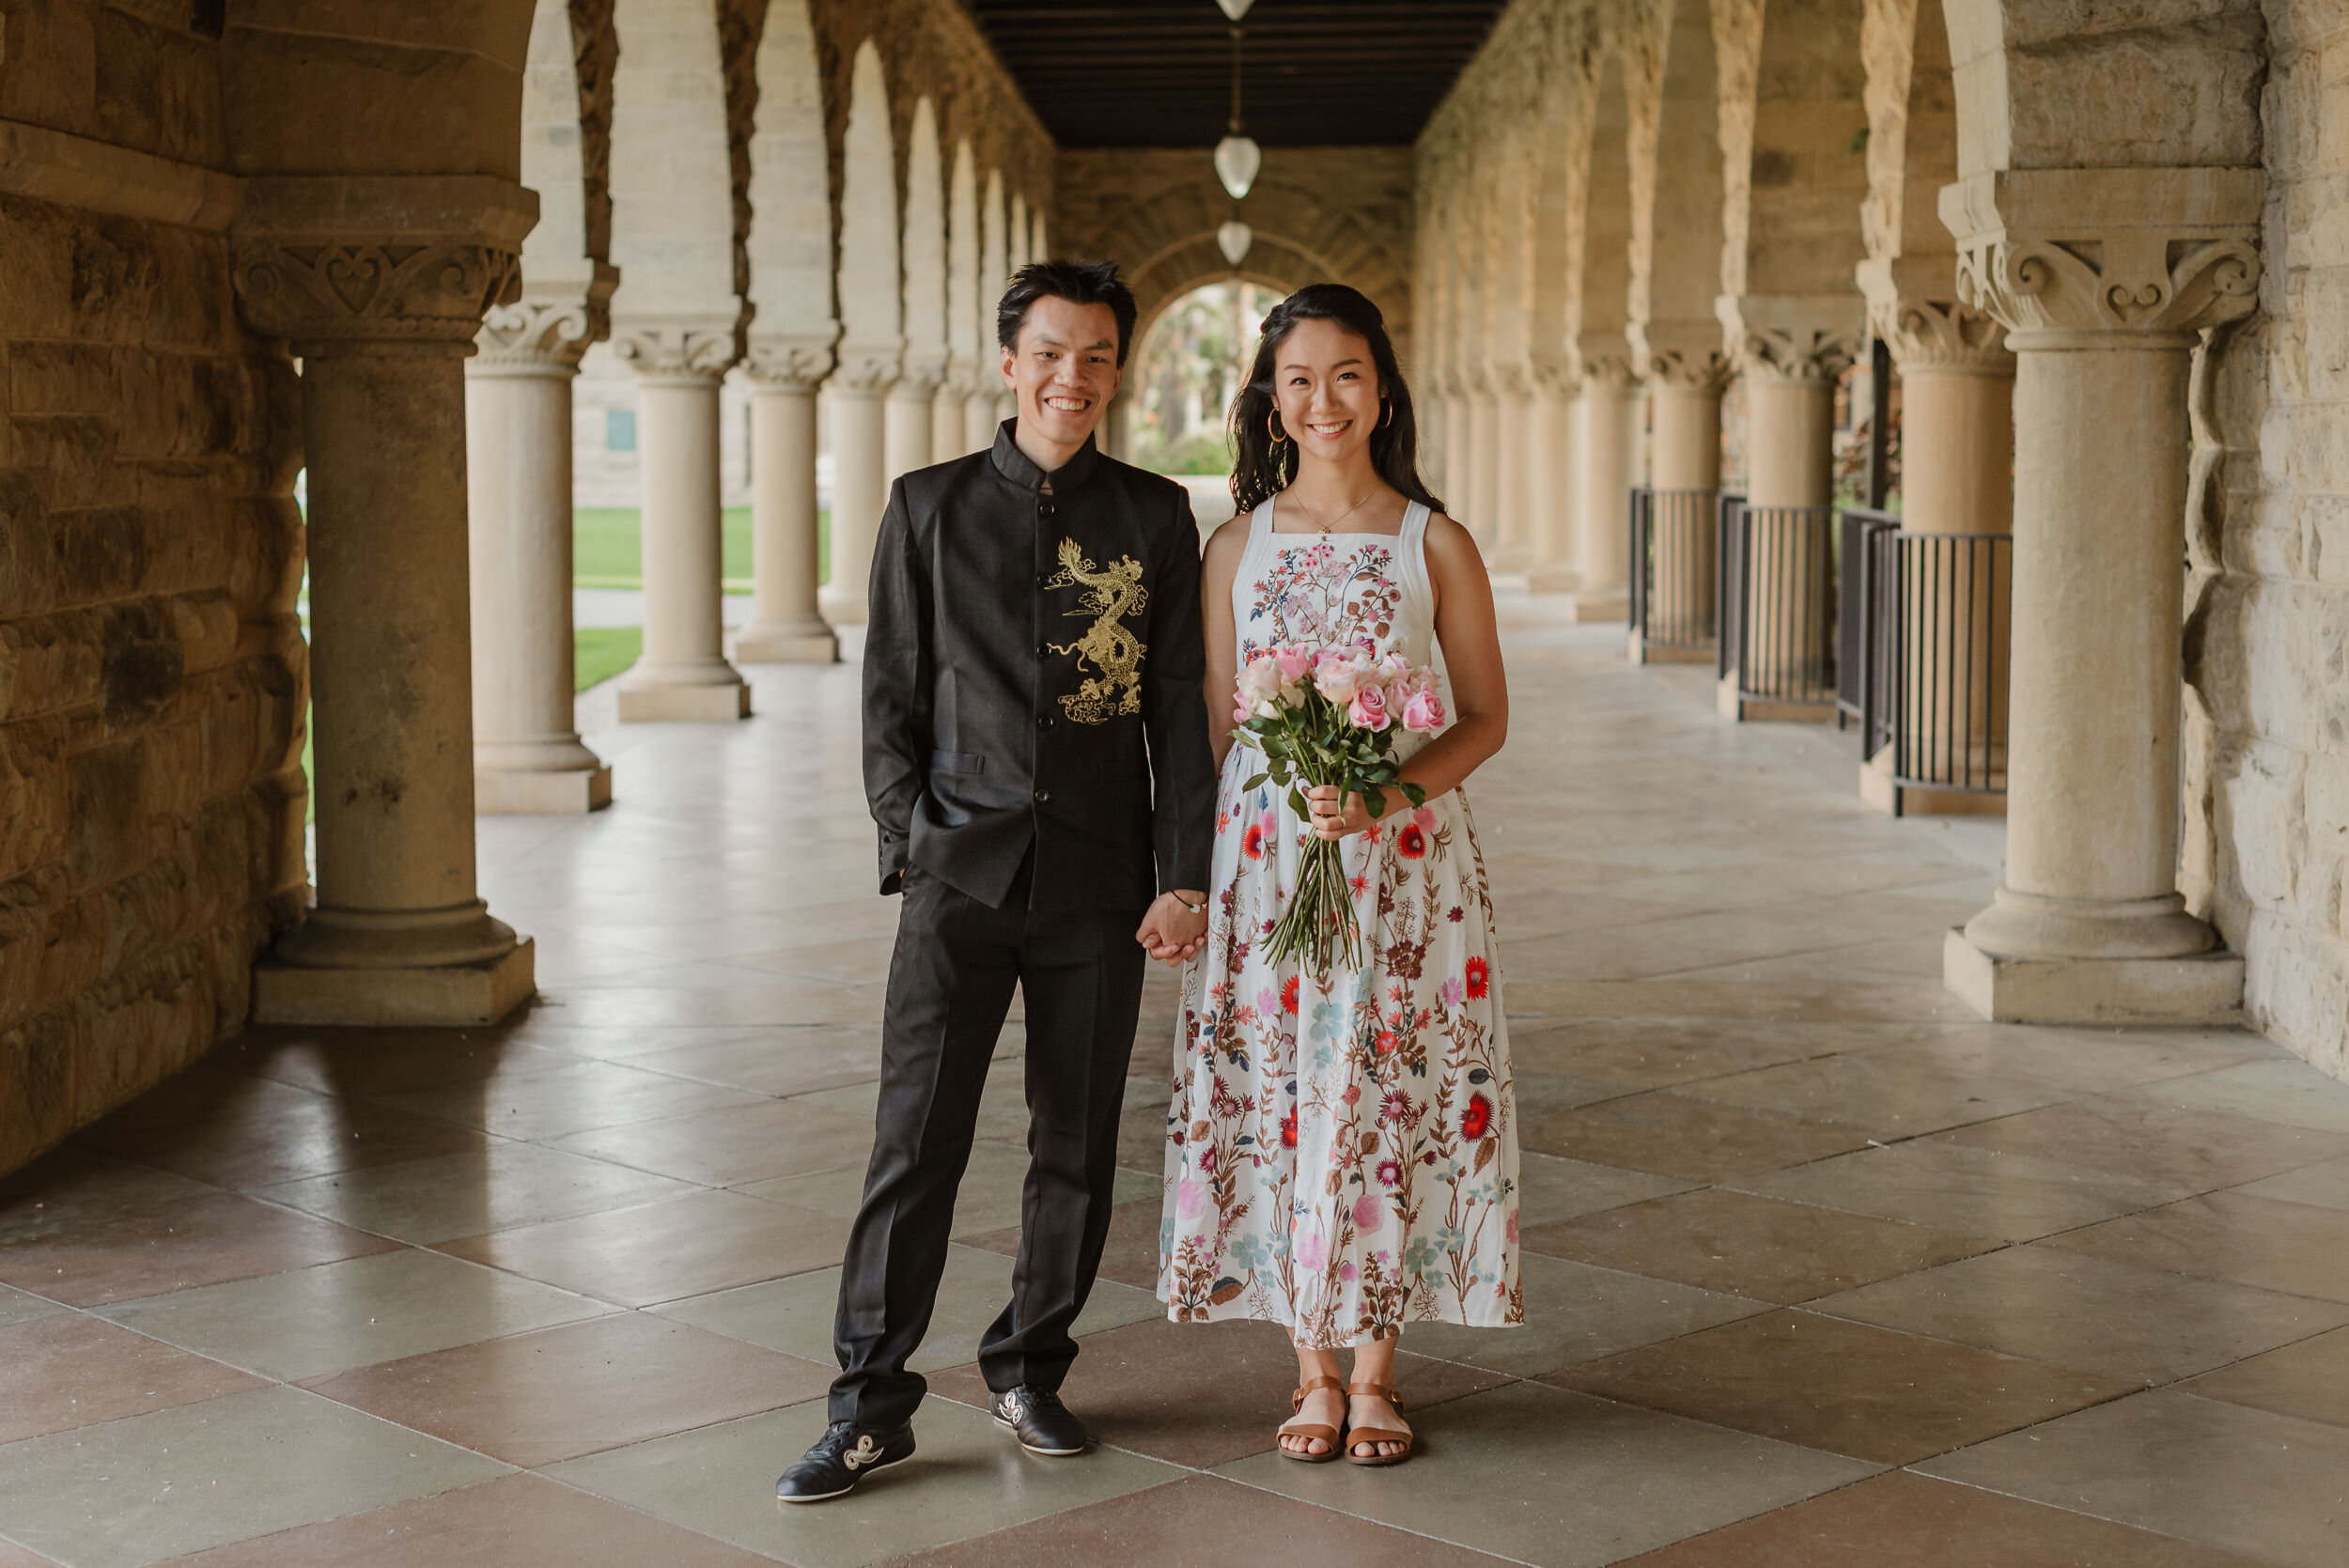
[(947, 424), (1686, 372), (1607, 410), (2104, 278), (1513, 462), (905, 421), (379, 284), (978, 412), (1957, 477), (786, 625), (1556, 564), (1459, 443), (527, 755), (683, 673), (860, 482), (1483, 475), (1791, 351)]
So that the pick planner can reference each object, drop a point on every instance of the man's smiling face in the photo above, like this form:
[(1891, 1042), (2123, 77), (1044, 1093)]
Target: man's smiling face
[(1063, 369)]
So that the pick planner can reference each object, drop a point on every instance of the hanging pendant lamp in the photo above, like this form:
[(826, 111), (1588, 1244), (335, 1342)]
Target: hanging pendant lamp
[(1233, 240), (1235, 9), (1237, 156)]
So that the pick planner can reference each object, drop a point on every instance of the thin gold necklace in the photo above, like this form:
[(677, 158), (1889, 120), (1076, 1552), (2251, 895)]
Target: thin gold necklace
[(1320, 527)]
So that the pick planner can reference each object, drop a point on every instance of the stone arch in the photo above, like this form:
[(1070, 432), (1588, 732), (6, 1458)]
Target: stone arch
[(1601, 252), (1038, 247), (672, 212), (566, 139), (994, 249), (965, 321), (924, 251), (1017, 237), (1672, 92), (871, 302), (789, 247)]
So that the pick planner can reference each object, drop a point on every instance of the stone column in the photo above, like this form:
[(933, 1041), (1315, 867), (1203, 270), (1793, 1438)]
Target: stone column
[(1608, 409), (905, 421), (1686, 372), (1957, 477), (1513, 490), (786, 627), (1552, 472), (978, 412), (1483, 475), (527, 755), (379, 284), (1791, 351), (683, 672), (1459, 443), (2089, 926), (859, 488), (947, 431)]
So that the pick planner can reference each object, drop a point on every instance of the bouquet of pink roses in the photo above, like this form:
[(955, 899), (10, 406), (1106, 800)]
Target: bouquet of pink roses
[(1330, 716)]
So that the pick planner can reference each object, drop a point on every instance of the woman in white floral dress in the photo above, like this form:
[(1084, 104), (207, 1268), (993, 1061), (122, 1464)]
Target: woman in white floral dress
[(1341, 1151)]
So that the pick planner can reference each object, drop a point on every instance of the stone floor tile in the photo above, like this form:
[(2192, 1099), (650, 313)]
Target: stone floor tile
[(71, 1370), (235, 1130), (311, 1321), (1674, 1135), (1932, 1180), (988, 1199), (663, 1251), (147, 1487), (2095, 1061), (2192, 1149), (1197, 1519), (75, 1181), (2310, 1380), (1818, 1000), (737, 1144), (1892, 1094), (1130, 1256), (13, 1556), (1575, 1314), (18, 1306), (1550, 1187), (794, 1314), (516, 1521), (114, 1254), (772, 1001), (2247, 1481), (556, 1394), (579, 1098), (1199, 1394), (1918, 1522), (769, 1061), (504, 1185), (1842, 1386), (2295, 1248), (1656, 1053), (2326, 1186), (2289, 1092), (546, 1027), (352, 1062), (1741, 1244), (1613, 1479), (967, 1478), (2067, 1309)]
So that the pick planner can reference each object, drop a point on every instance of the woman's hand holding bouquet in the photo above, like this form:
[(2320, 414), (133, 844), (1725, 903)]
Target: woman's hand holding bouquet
[(1329, 717)]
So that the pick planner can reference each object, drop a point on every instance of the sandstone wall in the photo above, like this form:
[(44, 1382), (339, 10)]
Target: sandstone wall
[(2267, 638), (152, 668)]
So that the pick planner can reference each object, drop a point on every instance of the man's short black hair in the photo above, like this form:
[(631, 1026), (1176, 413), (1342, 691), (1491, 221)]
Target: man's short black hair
[(1083, 283)]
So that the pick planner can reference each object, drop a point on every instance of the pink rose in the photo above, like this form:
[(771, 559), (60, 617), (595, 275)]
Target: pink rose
[(1368, 711), (1260, 681), (1295, 663), (1240, 714), (1369, 1213), (1336, 676), (1423, 711)]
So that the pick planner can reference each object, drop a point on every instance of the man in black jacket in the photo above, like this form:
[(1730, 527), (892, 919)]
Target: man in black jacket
[(1037, 758)]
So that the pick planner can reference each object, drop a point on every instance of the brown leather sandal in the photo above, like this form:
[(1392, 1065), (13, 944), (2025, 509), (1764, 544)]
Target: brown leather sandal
[(1373, 1434), (1328, 1435)]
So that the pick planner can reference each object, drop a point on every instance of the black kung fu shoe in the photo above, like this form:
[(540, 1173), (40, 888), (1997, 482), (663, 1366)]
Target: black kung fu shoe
[(844, 1456), (1041, 1422)]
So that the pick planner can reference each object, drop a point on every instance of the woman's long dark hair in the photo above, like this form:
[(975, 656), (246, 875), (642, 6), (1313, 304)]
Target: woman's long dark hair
[(1262, 468)]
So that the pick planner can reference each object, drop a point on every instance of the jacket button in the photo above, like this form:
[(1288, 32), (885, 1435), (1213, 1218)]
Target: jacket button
[(1042, 796), (1043, 650), (1045, 721), (1044, 580), (1044, 508)]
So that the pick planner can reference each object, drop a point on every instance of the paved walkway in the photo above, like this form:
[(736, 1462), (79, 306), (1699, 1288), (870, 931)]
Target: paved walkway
[(1821, 1272)]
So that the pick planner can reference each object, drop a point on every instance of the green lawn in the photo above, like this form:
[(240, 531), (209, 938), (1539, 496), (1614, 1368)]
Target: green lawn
[(605, 551)]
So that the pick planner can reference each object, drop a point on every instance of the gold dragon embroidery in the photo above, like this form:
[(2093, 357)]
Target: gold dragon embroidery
[(1111, 593)]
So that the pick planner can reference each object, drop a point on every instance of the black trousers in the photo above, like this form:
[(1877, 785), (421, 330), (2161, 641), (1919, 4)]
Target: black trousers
[(950, 987)]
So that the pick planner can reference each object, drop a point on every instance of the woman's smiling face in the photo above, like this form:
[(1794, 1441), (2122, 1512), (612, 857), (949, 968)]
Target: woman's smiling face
[(1326, 388)]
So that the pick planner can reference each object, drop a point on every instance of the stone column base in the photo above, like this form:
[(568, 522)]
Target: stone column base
[(1599, 605), (514, 793), (1751, 710), (447, 997), (730, 701), (755, 645), (1641, 651), (2205, 988), (1552, 576)]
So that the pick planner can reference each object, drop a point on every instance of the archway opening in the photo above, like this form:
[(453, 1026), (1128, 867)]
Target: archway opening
[(1188, 368)]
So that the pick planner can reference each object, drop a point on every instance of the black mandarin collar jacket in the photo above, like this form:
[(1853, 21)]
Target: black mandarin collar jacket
[(1033, 670)]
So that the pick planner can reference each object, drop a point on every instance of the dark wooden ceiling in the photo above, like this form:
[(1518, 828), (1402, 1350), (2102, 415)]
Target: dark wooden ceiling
[(1159, 72)]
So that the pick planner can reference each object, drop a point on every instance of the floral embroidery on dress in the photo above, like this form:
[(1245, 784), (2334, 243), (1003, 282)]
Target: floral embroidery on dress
[(1342, 1160)]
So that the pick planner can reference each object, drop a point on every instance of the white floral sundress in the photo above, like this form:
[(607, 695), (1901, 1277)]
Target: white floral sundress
[(1342, 1160)]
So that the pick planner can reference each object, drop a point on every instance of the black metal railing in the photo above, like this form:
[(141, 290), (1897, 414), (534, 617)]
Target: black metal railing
[(1935, 694), (1778, 603), (1855, 606), (1674, 554)]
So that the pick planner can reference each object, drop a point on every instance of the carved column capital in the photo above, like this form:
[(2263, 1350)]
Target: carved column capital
[(789, 364), (1603, 359), (548, 330), (2077, 259), (867, 369), (1804, 340), (681, 347), (1509, 378), (355, 264), (1555, 378), (1683, 355), (920, 376), (1913, 307)]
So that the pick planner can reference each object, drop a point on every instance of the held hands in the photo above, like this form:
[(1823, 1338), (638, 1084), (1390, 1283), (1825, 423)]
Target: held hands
[(1333, 819), (1171, 931)]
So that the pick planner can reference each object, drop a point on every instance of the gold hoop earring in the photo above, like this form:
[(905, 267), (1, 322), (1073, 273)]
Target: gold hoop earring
[(1272, 426), (1389, 419)]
